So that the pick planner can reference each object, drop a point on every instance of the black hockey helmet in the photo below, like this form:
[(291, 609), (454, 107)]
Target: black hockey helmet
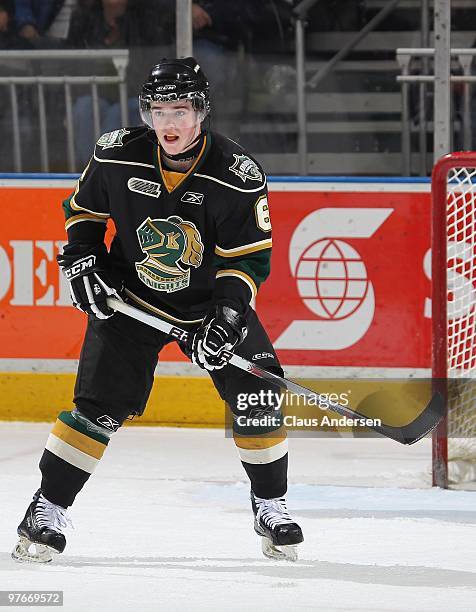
[(175, 79)]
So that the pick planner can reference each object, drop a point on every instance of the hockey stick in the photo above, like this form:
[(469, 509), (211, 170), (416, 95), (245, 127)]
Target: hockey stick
[(427, 420)]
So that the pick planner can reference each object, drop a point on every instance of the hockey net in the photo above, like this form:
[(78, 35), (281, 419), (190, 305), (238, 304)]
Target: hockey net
[(454, 316)]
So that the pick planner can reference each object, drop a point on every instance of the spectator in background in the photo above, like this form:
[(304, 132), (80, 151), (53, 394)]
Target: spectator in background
[(220, 27), (4, 19), (136, 25), (8, 38), (43, 23), (216, 33), (338, 15)]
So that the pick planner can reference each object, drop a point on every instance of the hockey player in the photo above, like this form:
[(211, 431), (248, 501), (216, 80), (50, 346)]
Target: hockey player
[(192, 245)]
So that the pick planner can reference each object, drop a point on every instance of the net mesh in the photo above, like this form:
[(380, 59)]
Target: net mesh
[(461, 286)]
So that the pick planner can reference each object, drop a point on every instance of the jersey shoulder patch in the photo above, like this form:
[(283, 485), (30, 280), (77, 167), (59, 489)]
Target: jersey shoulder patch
[(127, 144), (109, 140), (246, 168), (234, 167)]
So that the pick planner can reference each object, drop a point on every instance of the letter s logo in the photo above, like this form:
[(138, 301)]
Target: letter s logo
[(332, 278), (461, 291)]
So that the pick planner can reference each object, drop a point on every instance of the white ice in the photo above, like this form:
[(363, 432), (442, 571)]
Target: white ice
[(165, 524)]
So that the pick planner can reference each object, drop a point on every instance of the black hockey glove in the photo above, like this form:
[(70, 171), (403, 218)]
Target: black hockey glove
[(212, 344), (89, 282)]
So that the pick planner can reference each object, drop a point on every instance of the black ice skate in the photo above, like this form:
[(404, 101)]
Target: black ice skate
[(280, 534), (41, 531)]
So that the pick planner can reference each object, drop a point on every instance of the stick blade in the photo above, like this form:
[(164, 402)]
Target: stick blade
[(425, 422)]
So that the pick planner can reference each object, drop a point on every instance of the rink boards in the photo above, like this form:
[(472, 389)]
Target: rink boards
[(348, 296)]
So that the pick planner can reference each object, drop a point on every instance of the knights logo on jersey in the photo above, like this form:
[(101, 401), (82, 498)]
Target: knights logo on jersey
[(172, 246), (245, 168), (112, 139)]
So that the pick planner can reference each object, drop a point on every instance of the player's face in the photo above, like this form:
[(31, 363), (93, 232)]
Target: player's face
[(176, 124)]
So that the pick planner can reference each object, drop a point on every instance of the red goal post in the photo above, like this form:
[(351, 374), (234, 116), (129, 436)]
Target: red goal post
[(453, 244)]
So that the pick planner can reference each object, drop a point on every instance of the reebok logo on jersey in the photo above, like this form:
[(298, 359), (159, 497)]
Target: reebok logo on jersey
[(191, 197), (145, 187), (108, 422)]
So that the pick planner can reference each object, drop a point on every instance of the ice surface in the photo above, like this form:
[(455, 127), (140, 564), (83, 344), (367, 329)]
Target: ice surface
[(165, 524)]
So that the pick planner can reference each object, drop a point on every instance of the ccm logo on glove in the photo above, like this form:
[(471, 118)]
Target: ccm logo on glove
[(82, 265), (90, 278)]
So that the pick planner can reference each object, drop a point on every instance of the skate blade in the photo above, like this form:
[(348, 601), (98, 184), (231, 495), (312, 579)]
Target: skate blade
[(26, 551), (281, 553)]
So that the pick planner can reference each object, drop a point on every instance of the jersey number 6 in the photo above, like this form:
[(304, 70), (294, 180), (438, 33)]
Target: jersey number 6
[(263, 220)]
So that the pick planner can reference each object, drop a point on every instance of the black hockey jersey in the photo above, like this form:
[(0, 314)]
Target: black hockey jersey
[(181, 249)]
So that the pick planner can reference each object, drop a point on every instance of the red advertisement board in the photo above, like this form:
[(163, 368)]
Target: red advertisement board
[(350, 279), (349, 286)]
